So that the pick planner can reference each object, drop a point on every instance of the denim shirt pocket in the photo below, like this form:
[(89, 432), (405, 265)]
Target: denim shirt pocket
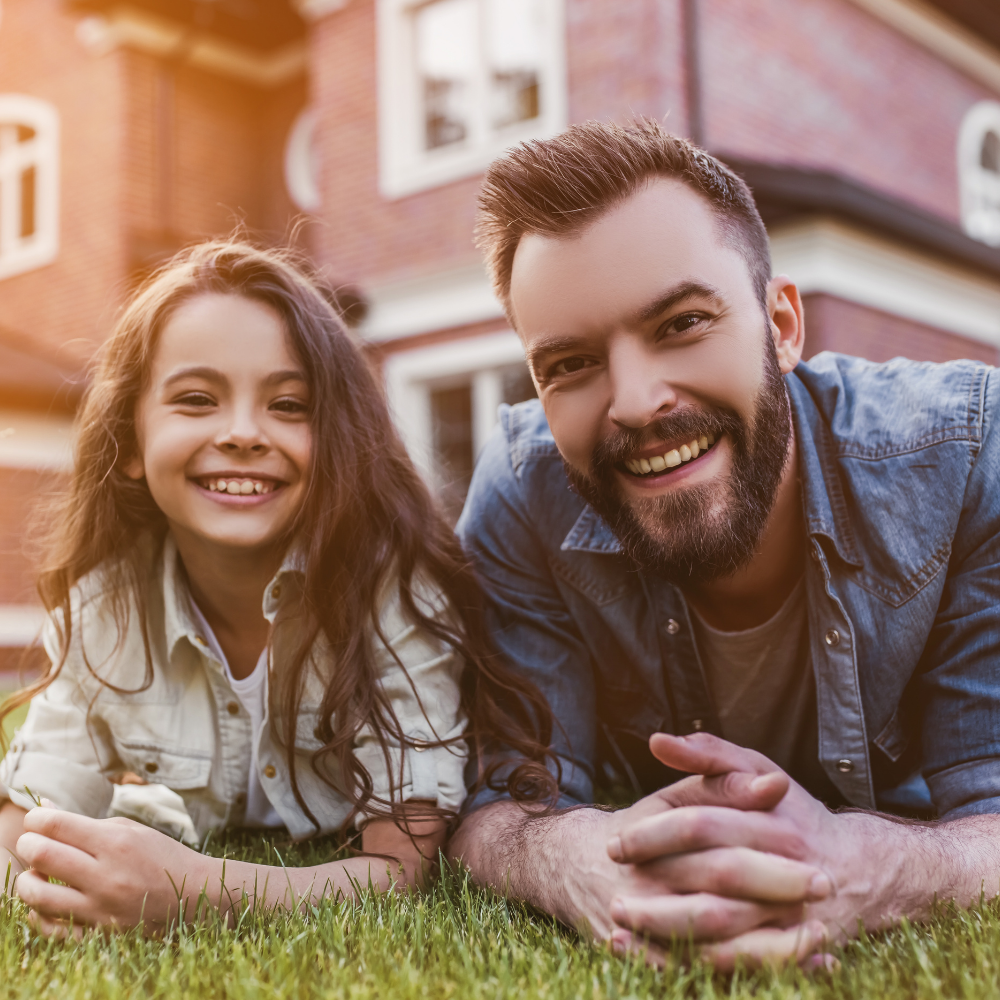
[(170, 766)]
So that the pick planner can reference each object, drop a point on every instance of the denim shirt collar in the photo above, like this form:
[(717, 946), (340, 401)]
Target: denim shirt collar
[(822, 494)]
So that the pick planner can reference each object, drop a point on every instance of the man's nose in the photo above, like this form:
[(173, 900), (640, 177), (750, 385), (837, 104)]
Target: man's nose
[(640, 389)]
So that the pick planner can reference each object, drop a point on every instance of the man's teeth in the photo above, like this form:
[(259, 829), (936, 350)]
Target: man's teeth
[(240, 486), (672, 458)]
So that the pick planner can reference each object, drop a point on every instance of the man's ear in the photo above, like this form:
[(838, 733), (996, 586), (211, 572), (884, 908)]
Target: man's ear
[(134, 468), (784, 309)]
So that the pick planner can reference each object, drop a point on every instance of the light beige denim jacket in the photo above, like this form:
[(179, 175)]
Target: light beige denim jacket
[(188, 734)]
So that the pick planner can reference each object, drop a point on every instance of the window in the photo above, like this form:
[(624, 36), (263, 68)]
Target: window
[(29, 183), (460, 81), (445, 400), (979, 172), (302, 162)]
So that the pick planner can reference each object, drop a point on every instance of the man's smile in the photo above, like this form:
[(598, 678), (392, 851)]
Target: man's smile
[(667, 457)]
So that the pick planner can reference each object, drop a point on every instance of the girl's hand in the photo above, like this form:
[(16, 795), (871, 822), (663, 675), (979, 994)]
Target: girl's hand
[(118, 873)]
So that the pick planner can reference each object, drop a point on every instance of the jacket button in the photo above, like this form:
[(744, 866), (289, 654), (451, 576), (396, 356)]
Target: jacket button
[(845, 766), (832, 637), (232, 708), (241, 799), (673, 626), (420, 745), (269, 771), (697, 725), (814, 554), (152, 767), (276, 591), (201, 639)]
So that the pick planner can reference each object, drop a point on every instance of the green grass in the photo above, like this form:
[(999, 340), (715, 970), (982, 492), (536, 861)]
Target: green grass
[(459, 942)]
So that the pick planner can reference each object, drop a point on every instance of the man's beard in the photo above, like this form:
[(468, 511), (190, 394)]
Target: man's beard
[(697, 534)]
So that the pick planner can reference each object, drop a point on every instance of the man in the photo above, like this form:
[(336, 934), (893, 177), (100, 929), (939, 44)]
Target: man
[(715, 559)]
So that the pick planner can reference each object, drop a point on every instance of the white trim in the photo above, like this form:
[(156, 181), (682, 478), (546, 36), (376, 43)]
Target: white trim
[(410, 375), (19, 254), (122, 27), (301, 165), (313, 10), (828, 256), (404, 166), (29, 441), (979, 188), (20, 625), (937, 32), (437, 302)]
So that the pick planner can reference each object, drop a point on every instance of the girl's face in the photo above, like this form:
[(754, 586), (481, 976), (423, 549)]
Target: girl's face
[(224, 437)]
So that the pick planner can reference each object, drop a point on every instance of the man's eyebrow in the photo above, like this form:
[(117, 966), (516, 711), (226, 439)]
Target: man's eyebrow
[(550, 345), (685, 290)]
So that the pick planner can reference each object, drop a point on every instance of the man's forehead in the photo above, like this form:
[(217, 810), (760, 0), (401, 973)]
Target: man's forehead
[(664, 235)]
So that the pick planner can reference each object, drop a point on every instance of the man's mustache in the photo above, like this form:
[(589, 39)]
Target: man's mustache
[(689, 422)]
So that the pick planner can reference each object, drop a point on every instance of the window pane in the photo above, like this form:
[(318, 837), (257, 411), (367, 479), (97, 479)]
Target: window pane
[(447, 53), (451, 420), (514, 43), (28, 203), (24, 133), (990, 156), (517, 385)]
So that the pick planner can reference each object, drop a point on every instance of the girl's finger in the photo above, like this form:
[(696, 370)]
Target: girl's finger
[(698, 916), (624, 942), (61, 861), (54, 902), (741, 873), (81, 832), (698, 828), (768, 946), (59, 930)]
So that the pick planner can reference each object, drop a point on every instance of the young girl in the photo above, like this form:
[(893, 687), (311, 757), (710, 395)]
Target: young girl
[(257, 618)]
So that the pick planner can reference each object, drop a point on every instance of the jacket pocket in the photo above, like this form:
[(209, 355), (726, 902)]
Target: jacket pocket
[(161, 766)]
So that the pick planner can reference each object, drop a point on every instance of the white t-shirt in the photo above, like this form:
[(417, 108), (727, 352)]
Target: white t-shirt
[(252, 694)]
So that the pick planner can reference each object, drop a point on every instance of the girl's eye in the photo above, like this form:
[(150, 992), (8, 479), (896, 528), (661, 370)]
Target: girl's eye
[(198, 399), (289, 405), (568, 366)]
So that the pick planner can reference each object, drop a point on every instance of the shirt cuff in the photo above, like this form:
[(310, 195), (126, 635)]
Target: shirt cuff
[(967, 789)]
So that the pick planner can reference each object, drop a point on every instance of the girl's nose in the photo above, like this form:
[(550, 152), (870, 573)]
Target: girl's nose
[(242, 433)]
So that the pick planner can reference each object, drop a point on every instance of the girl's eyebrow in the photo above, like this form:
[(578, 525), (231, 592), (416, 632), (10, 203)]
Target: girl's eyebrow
[(214, 375)]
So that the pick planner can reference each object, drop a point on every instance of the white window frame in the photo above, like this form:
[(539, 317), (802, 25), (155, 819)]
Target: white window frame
[(405, 167), (301, 163), (19, 254), (411, 376), (979, 188)]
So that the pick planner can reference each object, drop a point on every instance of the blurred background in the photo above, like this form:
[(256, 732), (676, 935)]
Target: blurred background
[(868, 129)]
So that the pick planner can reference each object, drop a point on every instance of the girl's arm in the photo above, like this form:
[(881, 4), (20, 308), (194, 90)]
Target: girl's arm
[(11, 827), (119, 874)]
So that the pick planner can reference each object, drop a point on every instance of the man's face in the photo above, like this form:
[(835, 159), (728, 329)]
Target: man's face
[(647, 343)]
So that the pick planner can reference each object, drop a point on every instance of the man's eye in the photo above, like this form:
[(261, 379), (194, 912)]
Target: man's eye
[(568, 366), (681, 324)]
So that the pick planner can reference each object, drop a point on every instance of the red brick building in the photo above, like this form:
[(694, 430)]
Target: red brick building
[(869, 130)]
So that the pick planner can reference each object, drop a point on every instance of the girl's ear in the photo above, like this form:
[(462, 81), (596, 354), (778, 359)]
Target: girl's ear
[(134, 468)]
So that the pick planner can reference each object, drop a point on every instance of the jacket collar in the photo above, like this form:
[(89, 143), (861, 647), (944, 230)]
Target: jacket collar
[(822, 495), (180, 621)]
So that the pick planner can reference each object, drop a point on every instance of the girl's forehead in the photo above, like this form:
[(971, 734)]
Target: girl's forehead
[(227, 332)]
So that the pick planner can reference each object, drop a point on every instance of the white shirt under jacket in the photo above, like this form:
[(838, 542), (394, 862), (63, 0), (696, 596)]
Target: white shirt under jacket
[(190, 738)]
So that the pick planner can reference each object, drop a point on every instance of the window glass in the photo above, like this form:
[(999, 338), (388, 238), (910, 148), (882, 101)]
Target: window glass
[(451, 421), (514, 52), (979, 172), (447, 47)]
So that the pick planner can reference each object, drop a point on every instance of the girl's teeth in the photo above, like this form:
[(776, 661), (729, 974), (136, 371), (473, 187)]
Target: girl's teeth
[(240, 487), (673, 458)]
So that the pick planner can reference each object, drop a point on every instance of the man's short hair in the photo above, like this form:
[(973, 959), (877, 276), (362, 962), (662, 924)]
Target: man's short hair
[(559, 186)]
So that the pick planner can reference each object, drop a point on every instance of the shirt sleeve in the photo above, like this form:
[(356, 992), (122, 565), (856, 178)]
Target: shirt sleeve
[(420, 676), (56, 754), (527, 616), (959, 682)]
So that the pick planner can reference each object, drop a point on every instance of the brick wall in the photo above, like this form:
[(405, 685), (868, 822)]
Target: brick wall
[(22, 522), (833, 324)]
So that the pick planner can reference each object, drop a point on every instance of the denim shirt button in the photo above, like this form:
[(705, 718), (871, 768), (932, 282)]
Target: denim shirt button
[(845, 766), (832, 637), (673, 626), (697, 725)]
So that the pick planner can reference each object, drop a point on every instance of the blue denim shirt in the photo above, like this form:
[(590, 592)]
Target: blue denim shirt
[(900, 471)]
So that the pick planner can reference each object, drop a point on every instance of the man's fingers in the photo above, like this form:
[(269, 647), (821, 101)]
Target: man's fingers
[(698, 916), (768, 946), (624, 942), (55, 858), (741, 873), (697, 828), (703, 753)]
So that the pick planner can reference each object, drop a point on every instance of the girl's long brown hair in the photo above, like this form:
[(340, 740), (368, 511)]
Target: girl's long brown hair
[(367, 523)]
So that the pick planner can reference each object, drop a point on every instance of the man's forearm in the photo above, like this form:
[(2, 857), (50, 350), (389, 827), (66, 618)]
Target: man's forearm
[(557, 862)]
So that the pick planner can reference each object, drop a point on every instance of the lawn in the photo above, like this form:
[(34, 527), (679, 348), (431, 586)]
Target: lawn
[(461, 942)]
